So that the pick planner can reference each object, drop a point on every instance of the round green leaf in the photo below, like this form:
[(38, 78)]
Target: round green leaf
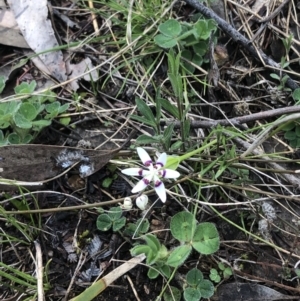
[(206, 239), (65, 120), (28, 111), (115, 213), (166, 271), (179, 255), (165, 42), (13, 138), (194, 277), (170, 28), (53, 107), (27, 139), (152, 273), (290, 135), (288, 126), (22, 122), (175, 295), (191, 294), (119, 223), (294, 143), (142, 225), (104, 222), (206, 288), (183, 226)]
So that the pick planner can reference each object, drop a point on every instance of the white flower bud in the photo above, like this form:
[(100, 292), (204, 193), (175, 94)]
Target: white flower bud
[(142, 201), (127, 205)]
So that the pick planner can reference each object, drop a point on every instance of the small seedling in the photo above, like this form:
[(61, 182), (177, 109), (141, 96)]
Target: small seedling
[(113, 218), (225, 271), (197, 287), (203, 238), (23, 120)]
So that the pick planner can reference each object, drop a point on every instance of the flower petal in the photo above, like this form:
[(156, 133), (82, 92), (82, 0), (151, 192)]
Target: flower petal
[(141, 185), (132, 171), (170, 174), (161, 192), (145, 158), (162, 160)]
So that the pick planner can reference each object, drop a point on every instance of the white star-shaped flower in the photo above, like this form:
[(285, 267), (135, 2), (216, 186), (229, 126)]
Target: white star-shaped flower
[(154, 172)]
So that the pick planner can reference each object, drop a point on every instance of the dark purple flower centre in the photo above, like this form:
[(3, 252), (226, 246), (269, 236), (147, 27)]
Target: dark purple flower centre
[(148, 163), (157, 183)]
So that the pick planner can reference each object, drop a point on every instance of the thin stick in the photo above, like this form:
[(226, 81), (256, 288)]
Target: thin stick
[(239, 120)]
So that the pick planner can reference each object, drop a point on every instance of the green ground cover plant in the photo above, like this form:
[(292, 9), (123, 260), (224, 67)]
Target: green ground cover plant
[(22, 120)]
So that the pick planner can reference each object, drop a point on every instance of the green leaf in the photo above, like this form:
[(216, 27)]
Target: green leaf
[(13, 138), (194, 277), (186, 128), (165, 270), (2, 83), (227, 273), (22, 122), (107, 182), (104, 222), (201, 29), (297, 130), (27, 139), (173, 110), (145, 111), (153, 273), (275, 76), (119, 223), (288, 126), (142, 225), (41, 123), (115, 213), (191, 294), (140, 249), (46, 96), (176, 146), (144, 139), (206, 239), (293, 143), (197, 60), (291, 135), (179, 255), (65, 120), (52, 108), (152, 242), (296, 94), (170, 28), (25, 88), (183, 226), (10, 107), (28, 111), (63, 108), (211, 25), (206, 288), (174, 295), (201, 48), (165, 42), (167, 136)]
